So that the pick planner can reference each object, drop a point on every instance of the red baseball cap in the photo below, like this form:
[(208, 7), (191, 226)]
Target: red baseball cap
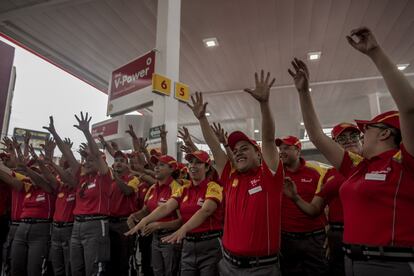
[(339, 128), (200, 155), (237, 136), (289, 140), (182, 167), (166, 159), (390, 118)]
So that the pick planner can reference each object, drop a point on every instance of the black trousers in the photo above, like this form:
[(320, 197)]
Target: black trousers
[(303, 256), (6, 266), (378, 268), (60, 250), (165, 257), (337, 254), (4, 230), (144, 245), (122, 250), (30, 249)]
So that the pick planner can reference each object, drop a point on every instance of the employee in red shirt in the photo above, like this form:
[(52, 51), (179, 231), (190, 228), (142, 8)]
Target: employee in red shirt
[(90, 244), (303, 237), (165, 257), (199, 203), (378, 195), (252, 189), (123, 197), (30, 248), (347, 136)]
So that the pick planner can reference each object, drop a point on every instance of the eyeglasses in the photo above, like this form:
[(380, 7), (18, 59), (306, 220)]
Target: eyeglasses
[(342, 139)]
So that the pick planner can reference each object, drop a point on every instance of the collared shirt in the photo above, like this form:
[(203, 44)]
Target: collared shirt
[(378, 198), (330, 194), (160, 194), (121, 204), (65, 204), (308, 179), (92, 194), (191, 198), (38, 204), (143, 188), (18, 196), (252, 210)]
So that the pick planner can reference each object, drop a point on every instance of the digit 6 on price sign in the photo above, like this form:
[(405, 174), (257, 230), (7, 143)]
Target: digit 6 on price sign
[(182, 92), (161, 84)]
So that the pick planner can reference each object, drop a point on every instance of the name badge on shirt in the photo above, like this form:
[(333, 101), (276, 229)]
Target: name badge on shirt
[(40, 198), (255, 190), (70, 198), (375, 176), (91, 185), (200, 202)]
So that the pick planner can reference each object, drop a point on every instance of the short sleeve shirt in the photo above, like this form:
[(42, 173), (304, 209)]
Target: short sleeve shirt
[(378, 198), (252, 210), (191, 198), (123, 205), (330, 194)]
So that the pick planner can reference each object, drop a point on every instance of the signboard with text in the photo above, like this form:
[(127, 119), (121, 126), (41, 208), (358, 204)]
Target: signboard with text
[(161, 84), (37, 137), (182, 92), (133, 76), (105, 129), (155, 132)]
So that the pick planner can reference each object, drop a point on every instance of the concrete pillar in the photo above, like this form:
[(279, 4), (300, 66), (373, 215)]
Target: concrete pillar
[(165, 109)]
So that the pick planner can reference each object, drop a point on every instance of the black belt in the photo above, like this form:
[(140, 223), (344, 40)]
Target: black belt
[(62, 224), (203, 236), (15, 222), (386, 253), (301, 235), (336, 226), (249, 262), (118, 219), (84, 218), (163, 233), (35, 220)]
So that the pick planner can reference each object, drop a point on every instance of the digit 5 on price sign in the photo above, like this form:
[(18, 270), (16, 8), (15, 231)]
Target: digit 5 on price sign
[(161, 84), (182, 92)]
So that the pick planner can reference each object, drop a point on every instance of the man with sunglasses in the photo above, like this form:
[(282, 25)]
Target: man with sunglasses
[(378, 194), (347, 136)]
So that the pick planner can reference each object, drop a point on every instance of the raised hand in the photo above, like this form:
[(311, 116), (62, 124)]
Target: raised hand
[(83, 122), (68, 142), (163, 132), (185, 135), (8, 143), (300, 75), (289, 188), (198, 107), (220, 133), (262, 90), (51, 127), (27, 137), (143, 145), (366, 40), (186, 149), (32, 152), (114, 146), (131, 132)]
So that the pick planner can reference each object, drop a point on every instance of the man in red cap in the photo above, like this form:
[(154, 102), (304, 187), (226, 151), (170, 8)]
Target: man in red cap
[(303, 237), (252, 190), (378, 195), (347, 136)]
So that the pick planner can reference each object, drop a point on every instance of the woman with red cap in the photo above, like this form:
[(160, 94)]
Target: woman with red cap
[(378, 194), (165, 257), (347, 136)]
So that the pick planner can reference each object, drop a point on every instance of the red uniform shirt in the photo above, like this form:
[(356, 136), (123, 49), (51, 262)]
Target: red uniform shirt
[(252, 210), (308, 179), (4, 198), (65, 204), (18, 196), (92, 195), (121, 204), (143, 188), (330, 194), (38, 204), (159, 194), (378, 199), (191, 198)]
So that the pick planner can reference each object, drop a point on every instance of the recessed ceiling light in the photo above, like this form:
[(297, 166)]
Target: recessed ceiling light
[(210, 42), (256, 131), (208, 114), (310, 89), (314, 55), (302, 124), (402, 67)]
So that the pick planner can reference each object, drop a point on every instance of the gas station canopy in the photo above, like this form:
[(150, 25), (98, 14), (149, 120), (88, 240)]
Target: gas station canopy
[(91, 38)]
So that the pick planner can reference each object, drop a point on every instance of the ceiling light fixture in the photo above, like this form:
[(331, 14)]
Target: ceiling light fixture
[(302, 124), (256, 131), (314, 55), (402, 67), (210, 42), (135, 113), (208, 114)]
